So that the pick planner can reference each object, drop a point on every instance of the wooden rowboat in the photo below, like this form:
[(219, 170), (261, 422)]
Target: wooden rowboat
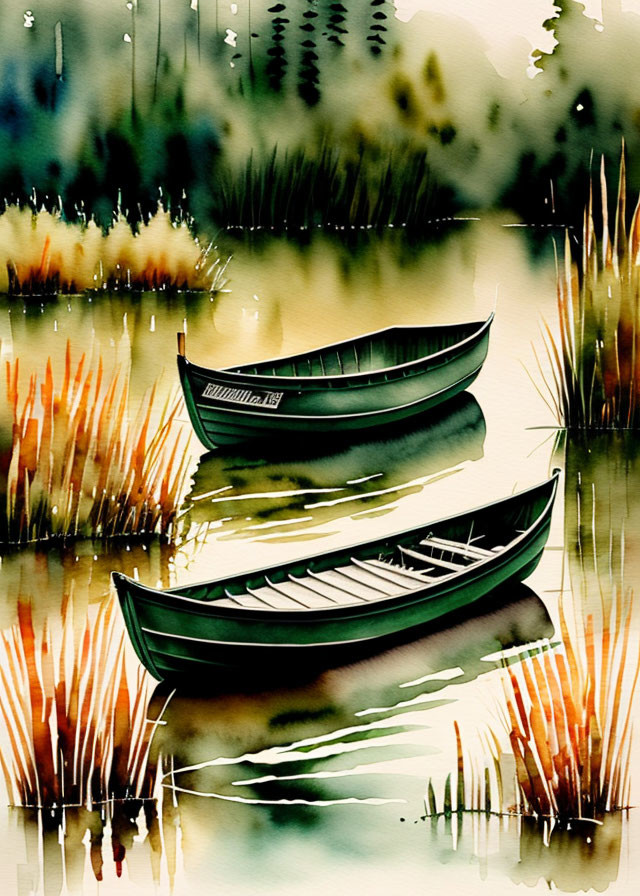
[(335, 607), (373, 379)]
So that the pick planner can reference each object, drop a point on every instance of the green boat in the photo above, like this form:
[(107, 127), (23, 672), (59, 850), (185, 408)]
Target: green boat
[(364, 382), (332, 608)]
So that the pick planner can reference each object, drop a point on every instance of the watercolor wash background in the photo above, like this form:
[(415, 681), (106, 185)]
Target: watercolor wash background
[(444, 134)]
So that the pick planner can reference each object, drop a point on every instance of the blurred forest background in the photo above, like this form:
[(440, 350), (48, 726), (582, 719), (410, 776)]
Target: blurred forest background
[(305, 112)]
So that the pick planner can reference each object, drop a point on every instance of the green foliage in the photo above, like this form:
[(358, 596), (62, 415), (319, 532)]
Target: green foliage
[(377, 27), (568, 19), (98, 101), (577, 105), (294, 191), (433, 77), (277, 64), (336, 24), (309, 73), (107, 106)]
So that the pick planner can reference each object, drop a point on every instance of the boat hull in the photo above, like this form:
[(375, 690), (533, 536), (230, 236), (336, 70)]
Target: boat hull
[(195, 641), (230, 407), (185, 660)]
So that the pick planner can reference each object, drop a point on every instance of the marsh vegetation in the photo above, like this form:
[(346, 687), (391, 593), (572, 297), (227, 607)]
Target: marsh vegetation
[(44, 254), (78, 463), (352, 741), (595, 359)]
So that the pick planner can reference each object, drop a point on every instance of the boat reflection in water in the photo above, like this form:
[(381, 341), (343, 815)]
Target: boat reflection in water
[(291, 485), (394, 683)]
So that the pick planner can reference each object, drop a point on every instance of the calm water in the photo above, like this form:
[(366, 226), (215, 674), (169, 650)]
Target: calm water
[(322, 785)]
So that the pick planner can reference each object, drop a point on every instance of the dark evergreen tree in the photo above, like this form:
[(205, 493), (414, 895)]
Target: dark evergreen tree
[(336, 24), (277, 65), (309, 73), (377, 28)]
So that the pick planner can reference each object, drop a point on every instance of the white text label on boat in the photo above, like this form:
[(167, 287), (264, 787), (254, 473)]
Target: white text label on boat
[(242, 396)]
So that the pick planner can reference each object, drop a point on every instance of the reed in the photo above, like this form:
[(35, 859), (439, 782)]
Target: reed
[(41, 253), (570, 718), (74, 717), (568, 715), (595, 360), (296, 191), (78, 465)]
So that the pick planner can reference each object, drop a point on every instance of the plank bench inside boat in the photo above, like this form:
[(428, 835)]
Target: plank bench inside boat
[(456, 547)]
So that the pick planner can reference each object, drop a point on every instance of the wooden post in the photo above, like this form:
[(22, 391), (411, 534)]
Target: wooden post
[(181, 343)]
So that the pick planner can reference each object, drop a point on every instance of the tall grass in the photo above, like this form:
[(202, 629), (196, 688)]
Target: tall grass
[(570, 719), (295, 191), (74, 717), (595, 359), (41, 253), (78, 465), (568, 715)]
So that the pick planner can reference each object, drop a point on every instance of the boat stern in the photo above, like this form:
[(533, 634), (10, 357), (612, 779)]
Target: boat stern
[(125, 591)]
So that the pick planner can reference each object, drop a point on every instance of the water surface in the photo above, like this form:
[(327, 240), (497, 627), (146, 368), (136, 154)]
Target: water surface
[(323, 784)]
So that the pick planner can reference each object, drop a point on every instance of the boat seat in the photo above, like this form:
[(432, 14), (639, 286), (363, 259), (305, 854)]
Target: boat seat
[(308, 599), (415, 574), (457, 547), (239, 600), (427, 558), (274, 599), (248, 601), (359, 581)]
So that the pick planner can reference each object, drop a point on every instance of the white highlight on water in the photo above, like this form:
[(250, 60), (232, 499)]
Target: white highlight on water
[(445, 675), (293, 493), (542, 644), (421, 698), (364, 479), (369, 801)]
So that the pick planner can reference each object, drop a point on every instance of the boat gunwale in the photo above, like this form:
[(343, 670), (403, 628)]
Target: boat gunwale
[(263, 379), (181, 602)]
